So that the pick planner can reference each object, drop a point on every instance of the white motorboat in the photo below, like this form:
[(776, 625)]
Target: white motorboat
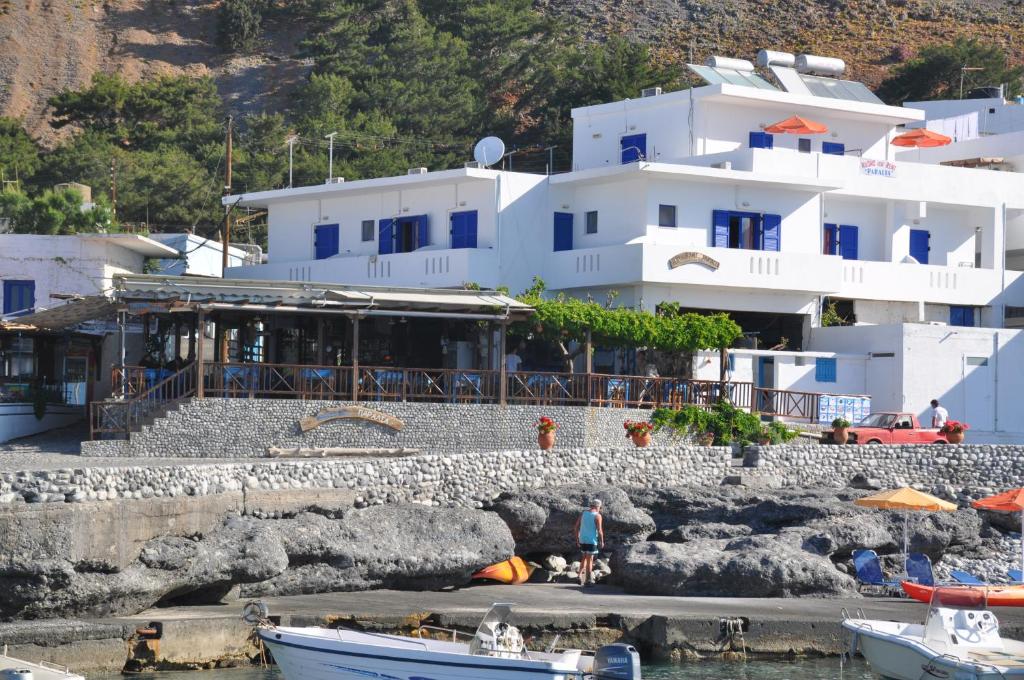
[(16, 669), (959, 640), (495, 652)]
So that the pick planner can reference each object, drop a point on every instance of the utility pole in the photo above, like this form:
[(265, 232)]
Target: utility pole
[(330, 157), (291, 150), (113, 187), (227, 209)]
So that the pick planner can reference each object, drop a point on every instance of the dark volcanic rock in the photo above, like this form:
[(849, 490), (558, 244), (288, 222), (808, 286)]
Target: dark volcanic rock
[(542, 520), (691, 532)]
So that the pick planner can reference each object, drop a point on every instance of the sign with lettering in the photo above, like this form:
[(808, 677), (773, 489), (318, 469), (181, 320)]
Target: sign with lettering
[(693, 258), (350, 413), (876, 168)]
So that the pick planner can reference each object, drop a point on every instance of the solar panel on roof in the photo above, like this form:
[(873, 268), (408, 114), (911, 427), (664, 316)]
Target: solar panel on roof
[(834, 88), (718, 76)]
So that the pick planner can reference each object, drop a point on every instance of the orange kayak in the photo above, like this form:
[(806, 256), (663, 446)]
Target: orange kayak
[(513, 571), (997, 596)]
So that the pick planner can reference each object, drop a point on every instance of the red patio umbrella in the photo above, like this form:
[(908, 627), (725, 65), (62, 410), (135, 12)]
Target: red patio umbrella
[(921, 138), (795, 125), (1008, 501)]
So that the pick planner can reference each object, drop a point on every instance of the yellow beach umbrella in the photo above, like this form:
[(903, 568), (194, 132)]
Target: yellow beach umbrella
[(906, 500)]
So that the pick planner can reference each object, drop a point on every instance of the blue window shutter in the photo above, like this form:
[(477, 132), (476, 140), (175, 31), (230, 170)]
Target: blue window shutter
[(831, 245), (848, 241), (761, 140), (720, 228), (969, 316), (563, 231), (919, 245), (386, 240), (825, 370), (325, 240), (833, 148), (464, 229), (19, 296), (633, 147), (422, 231), (771, 232)]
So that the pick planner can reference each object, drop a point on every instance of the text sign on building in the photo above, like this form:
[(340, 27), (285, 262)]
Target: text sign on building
[(350, 413), (693, 258), (876, 168)]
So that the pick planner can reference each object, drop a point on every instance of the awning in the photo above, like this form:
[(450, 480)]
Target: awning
[(64, 317), (146, 293)]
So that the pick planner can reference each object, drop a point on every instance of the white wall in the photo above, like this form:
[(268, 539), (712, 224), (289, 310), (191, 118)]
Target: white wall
[(201, 256), (19, 420)]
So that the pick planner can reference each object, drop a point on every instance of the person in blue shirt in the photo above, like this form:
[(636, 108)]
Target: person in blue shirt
[(590, 538)]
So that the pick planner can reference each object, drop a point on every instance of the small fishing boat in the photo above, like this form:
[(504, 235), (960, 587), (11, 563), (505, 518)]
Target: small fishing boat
[(16, 669), (959, 640), (513, 571), (495, 652), (998, 596)]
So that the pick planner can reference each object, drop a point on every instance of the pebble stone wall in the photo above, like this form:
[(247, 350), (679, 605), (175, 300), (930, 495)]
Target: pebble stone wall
[(246, 428), (463, 479)]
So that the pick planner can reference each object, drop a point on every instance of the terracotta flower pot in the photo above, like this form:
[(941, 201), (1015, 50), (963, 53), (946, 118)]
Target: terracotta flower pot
[(546, 440), (955, 437), (841, 435), (641, 440)]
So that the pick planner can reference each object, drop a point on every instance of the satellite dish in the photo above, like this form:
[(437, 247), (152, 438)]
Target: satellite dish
[(489, 151)]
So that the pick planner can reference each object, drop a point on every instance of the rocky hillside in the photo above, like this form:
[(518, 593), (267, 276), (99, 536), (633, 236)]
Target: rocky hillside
[(50, 45)]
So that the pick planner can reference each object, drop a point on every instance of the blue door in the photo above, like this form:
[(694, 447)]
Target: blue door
[(761, 140), (831, 245), (563, 231), (463, 229), (961, 316), (919, 245), (634, 148), (386, 239), (325, 240), (720, 228), (771, 232), (848, 241), (19, 296), (422, 232)]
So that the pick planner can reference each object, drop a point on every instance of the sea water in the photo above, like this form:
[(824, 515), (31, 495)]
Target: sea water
[(804, 669)]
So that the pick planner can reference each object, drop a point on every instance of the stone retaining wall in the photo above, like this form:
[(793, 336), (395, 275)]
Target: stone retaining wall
[(463, 480), (246, 428)]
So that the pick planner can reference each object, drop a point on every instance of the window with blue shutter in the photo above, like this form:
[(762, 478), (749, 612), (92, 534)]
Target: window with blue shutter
[(848, 241), (422, 233), (325, 241), (961, 316), (761, 140), (833, 148), (463, 229), (771, 232), (831, 240), (563, 231), (19, 296), (634, 148), (720, 228), (825, 370), (386, 239)]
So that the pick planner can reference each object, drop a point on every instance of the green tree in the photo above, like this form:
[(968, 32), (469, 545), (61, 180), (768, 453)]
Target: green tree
[(240, 24), (19, 155), (262, 161), (935, 73), (54, 212)]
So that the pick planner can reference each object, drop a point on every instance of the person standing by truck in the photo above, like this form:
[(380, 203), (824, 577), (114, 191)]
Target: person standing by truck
[(939, 415)]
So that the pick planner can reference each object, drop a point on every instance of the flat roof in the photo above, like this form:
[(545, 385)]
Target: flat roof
[(296, 296), (261, 199), (142, 245), (695, 173)]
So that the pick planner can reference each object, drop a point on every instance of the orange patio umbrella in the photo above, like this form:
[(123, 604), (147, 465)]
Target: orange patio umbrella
[(796, 125), (905, 499), (921, 138), (1008, 501)]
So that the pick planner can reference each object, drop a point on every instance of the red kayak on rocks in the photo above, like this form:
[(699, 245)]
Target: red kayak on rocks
[(997, 596)]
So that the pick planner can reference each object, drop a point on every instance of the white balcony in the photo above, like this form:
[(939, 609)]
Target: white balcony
[(919, 282), (428, 268)]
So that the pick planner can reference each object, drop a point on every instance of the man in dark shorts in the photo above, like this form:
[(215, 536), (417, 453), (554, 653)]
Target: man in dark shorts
[(590, 538)]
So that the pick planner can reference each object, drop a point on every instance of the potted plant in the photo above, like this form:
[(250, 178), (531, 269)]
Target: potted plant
[(954, 431), (840, 430), (639, 432), (546, 432), (707, 439), (764, 436)]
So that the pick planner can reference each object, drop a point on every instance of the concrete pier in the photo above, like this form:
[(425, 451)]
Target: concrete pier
[(663, 628)]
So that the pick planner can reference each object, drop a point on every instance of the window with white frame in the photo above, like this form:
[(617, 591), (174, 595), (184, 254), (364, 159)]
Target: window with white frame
[(666, 215), (368, 230), (592, 222)]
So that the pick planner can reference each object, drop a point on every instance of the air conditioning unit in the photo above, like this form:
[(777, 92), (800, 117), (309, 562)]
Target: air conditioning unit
[(470, 164), (417, 171), (650, 92), (723, 165), (334, 180)]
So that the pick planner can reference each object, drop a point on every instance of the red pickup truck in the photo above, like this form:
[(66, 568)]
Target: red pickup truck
[(893, 428)]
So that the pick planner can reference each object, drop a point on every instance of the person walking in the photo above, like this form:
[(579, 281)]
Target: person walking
[(590, 538), (939, 415)]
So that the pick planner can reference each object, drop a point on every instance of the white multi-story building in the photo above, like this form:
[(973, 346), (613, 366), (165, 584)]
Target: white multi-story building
[(685, 197)]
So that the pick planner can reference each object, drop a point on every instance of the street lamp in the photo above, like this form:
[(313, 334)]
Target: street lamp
[(330, 157)]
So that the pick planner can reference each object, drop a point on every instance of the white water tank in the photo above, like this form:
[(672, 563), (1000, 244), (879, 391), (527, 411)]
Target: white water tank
[(730, 63), (822, 66), (766, 58)]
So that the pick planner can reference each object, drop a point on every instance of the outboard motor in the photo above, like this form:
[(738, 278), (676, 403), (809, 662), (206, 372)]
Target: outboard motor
[(616, 662)]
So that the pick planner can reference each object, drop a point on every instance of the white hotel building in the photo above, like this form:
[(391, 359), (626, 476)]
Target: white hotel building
[(683, 197)]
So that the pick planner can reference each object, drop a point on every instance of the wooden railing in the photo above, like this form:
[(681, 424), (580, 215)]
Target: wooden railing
[(117, 418), (771, 402)]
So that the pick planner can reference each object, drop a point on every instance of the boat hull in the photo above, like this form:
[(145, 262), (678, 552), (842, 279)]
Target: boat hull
[(512, 571), (307, 658), (996, 596)]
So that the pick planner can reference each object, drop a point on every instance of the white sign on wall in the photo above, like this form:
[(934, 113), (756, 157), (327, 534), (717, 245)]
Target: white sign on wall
[(870, 166)]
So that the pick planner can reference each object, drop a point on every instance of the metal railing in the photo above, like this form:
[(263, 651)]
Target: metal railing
[(117, 418)]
